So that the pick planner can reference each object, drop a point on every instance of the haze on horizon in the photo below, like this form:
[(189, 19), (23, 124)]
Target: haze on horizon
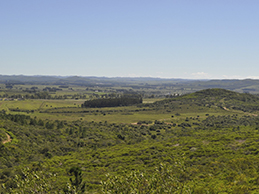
[(167, 39)]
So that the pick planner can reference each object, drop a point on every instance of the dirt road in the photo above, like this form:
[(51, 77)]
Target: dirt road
[(8, 139)]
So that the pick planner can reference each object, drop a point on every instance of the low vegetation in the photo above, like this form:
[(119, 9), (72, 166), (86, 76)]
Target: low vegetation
[(203, 142)]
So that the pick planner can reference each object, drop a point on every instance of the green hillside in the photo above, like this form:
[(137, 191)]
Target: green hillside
[(217, 98), (204, 142)]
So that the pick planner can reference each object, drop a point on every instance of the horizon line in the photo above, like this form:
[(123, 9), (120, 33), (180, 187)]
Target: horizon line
[(135, 77)]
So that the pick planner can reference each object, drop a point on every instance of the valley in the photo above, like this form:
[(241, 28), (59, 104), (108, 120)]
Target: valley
[(201, 142)]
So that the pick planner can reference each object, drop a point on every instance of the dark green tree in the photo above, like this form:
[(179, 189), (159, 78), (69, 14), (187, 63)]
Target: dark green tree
[(77, 182)]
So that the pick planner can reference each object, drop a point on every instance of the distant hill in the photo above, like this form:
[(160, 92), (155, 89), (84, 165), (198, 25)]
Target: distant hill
[(227, 95), (181, 86), (84, 81)]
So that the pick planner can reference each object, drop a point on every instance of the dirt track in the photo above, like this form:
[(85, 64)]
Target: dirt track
[(225, 108), (8, 139)]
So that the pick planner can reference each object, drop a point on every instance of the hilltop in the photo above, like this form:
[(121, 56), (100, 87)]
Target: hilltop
[(216, 97)]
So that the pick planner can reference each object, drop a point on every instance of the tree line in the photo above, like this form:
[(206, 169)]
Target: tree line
[(124, 100)]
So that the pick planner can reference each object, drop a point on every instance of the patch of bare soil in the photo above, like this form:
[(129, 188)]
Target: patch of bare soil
[(8, 139), (240, 141), (205, 142), (225, 108), (141, 124)]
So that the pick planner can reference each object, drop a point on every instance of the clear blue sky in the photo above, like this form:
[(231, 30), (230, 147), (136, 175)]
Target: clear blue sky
[(131, 38)]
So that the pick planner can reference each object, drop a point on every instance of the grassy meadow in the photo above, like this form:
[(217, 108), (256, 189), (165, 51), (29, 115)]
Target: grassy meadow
[(71, 110)]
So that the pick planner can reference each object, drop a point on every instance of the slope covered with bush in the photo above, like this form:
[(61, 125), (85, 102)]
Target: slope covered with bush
[(198, 147)]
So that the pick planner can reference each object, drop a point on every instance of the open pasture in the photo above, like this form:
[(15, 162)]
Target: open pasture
[(37, 104), (71, 110)]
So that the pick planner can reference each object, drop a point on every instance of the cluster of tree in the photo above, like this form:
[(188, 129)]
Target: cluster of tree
[(9, 86), (31, 90), (18, 118), (124, 100), (27, 120), (51, 89), (38, 95)]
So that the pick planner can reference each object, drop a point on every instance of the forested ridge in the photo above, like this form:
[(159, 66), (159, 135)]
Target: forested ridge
[(199, 147)]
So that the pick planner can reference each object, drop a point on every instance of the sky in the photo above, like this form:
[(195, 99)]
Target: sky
[(193, 39)]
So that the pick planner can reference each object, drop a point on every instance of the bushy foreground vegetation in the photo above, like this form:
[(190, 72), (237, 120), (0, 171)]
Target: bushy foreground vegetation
[(207, 142)]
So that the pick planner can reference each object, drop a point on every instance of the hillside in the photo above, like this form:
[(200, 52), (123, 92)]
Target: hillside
[(217, 98), (188, 142)]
